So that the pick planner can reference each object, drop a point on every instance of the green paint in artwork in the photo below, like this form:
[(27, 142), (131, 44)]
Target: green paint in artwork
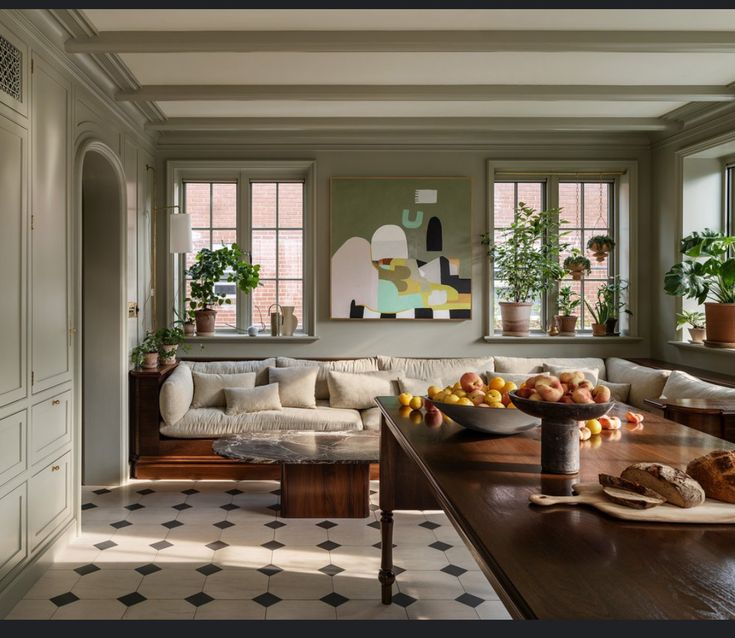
[(416, 222), (390, 301)]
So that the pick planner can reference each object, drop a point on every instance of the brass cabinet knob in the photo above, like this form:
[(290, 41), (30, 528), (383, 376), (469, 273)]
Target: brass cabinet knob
[(55, 468), (56, 402)]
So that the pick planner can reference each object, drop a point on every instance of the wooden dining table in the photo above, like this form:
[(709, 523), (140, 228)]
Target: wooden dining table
[(558, 562)]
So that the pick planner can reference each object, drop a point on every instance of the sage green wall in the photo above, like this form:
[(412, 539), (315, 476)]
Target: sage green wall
[(426, 338)]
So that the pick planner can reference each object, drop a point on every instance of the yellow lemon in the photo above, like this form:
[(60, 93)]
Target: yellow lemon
[(496, 404), (511, 405), (498, 383), (404, 411), (464, 401), (457, 386), (433, 390), (416, 403), (452, 398), (594, 426), (405, 398), (493, 396), (460, 393), (509, 387)]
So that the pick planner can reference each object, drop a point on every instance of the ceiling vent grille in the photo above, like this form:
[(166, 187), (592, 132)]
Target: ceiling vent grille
[(11, 70)]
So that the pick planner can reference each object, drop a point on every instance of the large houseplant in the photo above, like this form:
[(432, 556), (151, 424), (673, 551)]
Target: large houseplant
[(708, 272), (211, 267), (526, 259), (567, 303)]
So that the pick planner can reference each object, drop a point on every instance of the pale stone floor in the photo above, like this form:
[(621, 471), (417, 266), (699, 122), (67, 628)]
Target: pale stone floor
[(183, 550)]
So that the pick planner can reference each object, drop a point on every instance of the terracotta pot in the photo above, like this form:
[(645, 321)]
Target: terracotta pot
[(189, 328), (720, 323), (205, 319), (567, 325), (696, 335), (168, 355), (577, 274), (515, 318), (599, 330), (150, 360)]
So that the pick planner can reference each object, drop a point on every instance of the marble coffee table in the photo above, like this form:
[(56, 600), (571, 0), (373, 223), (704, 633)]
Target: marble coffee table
[(323, 474)]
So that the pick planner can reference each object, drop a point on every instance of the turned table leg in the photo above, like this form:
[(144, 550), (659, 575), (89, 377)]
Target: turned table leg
[(386, 576)]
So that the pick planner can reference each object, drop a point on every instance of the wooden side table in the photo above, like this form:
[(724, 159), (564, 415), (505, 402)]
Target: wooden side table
[(712, 416)]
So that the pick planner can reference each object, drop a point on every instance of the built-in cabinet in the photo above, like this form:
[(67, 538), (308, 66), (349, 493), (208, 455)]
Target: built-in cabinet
[(49, 499), (13, 541)]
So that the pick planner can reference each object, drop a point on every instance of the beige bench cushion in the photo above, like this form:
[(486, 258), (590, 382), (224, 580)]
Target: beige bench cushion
[(177, 393), (243, 400), (371, 419), (645, 383), (343, 365), (436, 371), (209, 388), (296, 385), (260, 367), (681, 385), (358, 391), (528, 365)]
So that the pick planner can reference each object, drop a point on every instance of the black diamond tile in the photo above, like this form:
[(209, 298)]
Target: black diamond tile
[(146, 491), (380, 545), (275, 524), (134, 506), (190, 491), (276, 492), (403, 600), (234, 492), (229, 507), (172, 524), (161, 545), (101, 491), (331, 570), (429, 525), (276, 507), (469, 600), (181, 507), (105, 545), (64, 599), (208, 570), (453, 570), (87, 569), (150, 568), (267, 599), (441, 546), (199, 599), (398, 570), (224, 524), (326, 524), (329, 545), (270, 570), (88, 506), (334, 599), (374, 525), (120, 524), (272, 545), (133, 598), (215, 545)]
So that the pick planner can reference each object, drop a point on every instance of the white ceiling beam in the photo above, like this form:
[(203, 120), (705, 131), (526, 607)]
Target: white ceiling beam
[(403, 41), (428, 93), (608, 124)]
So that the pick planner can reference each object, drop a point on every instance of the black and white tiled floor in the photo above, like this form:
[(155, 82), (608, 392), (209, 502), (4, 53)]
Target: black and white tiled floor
[(218, 550)]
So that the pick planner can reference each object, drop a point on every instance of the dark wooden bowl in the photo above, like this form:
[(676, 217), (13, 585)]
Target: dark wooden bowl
[(561, 411)]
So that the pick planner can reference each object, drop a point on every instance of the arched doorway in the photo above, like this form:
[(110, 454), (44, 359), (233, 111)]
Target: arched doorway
[(103, 356)]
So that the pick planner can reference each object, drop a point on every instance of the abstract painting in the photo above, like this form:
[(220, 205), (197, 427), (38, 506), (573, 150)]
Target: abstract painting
[(400, 248)]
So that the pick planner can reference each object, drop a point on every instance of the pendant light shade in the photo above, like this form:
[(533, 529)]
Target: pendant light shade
[(180, 240)]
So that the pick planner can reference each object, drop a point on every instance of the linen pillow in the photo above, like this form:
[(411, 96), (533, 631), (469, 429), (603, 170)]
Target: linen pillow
[(356, 391), (534, 364), (255, 399), (589, 373), (435, 370), (368, 364), (296, 386), (259, 366), (209, 388), (681, 385), (417, 387), (618, 391), (176, 395), (645, 383)]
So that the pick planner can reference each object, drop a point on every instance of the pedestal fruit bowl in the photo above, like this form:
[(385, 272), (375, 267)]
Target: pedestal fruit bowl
[(490, 421)]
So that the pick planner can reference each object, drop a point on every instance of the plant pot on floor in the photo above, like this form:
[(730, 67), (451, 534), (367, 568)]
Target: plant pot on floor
[(150, 361), (599, 330), (516, 318), (205, 320), (168, 354), (720, 324), (696, 335), (567, 325)]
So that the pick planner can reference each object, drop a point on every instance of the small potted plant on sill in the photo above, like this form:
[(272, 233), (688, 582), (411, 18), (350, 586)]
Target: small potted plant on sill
[(170, 340), (145, 354), (567, 301), (600, 245), (606, 309), (577, 264), (211, 267), (526, 258), (695, 321), (188, 325), (708, 272)]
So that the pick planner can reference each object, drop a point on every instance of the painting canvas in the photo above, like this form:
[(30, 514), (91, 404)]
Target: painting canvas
[(400, 248)]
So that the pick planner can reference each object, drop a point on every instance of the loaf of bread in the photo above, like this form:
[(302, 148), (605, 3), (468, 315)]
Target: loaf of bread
[(677, 487), (716, 474)]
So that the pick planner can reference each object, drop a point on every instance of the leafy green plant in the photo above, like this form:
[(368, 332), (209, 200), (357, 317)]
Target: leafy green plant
[(577, 261), (609, 300), (567, 301), (527, 256), (213, 266), (694, 319), (600, 241), (149, 345), (170, 336), (708, 270)]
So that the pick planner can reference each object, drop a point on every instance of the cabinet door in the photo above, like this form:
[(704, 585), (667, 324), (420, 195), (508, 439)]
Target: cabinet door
[(13, 548), (49, 500), (50, 425), (13, 177), (50, 336), (12, 445)]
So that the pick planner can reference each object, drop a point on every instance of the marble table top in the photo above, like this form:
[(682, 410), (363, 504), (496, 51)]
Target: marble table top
[(306, 447)]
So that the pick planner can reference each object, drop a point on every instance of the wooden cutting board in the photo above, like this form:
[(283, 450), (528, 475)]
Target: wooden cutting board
[(591, 494)]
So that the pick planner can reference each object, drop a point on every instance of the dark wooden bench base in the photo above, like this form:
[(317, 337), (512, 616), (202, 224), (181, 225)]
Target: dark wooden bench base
[(339, 490)]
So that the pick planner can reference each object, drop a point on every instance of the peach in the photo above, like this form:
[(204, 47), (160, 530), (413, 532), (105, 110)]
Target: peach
[(476, 396), (430, 407), (584, 433), (532, 381), (535, 396), (482, 405), (567, 398), (586, 383), (582, 395), (610, 422), (633, 417), (601, 394), (524, 392), (433, 419), (471, 381), (548, 392)]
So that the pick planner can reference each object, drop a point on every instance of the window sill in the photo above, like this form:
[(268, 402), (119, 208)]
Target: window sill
[(702, 348), (540, 338), (240, 338)]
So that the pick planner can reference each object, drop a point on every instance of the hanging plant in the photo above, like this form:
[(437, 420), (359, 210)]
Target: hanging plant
[(577, 264), (601, 245)]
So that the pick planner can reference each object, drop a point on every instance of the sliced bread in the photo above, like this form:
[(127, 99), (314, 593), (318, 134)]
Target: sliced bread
[(677, 487)]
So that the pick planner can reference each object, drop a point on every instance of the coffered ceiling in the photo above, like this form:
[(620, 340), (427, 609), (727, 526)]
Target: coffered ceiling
[(505, 69)]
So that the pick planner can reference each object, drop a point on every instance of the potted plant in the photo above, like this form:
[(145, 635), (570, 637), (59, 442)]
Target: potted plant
[(527, 259), (577, 264), (695, 320), (600, 245), (211, 267), (567, 302), (145, 354), (169, 339), (606, 309), (187, 325), (708, 272)]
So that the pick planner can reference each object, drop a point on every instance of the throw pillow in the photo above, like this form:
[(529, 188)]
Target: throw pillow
[(645, 382), (357, 391), (296, 386), (209, 388), (341, 365), (618, 391), (436, 370), (256, 399), (589, 373), (681, 385)]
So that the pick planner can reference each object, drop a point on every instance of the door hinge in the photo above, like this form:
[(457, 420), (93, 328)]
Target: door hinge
[(33, 377), (31, 65), (33, 222)]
